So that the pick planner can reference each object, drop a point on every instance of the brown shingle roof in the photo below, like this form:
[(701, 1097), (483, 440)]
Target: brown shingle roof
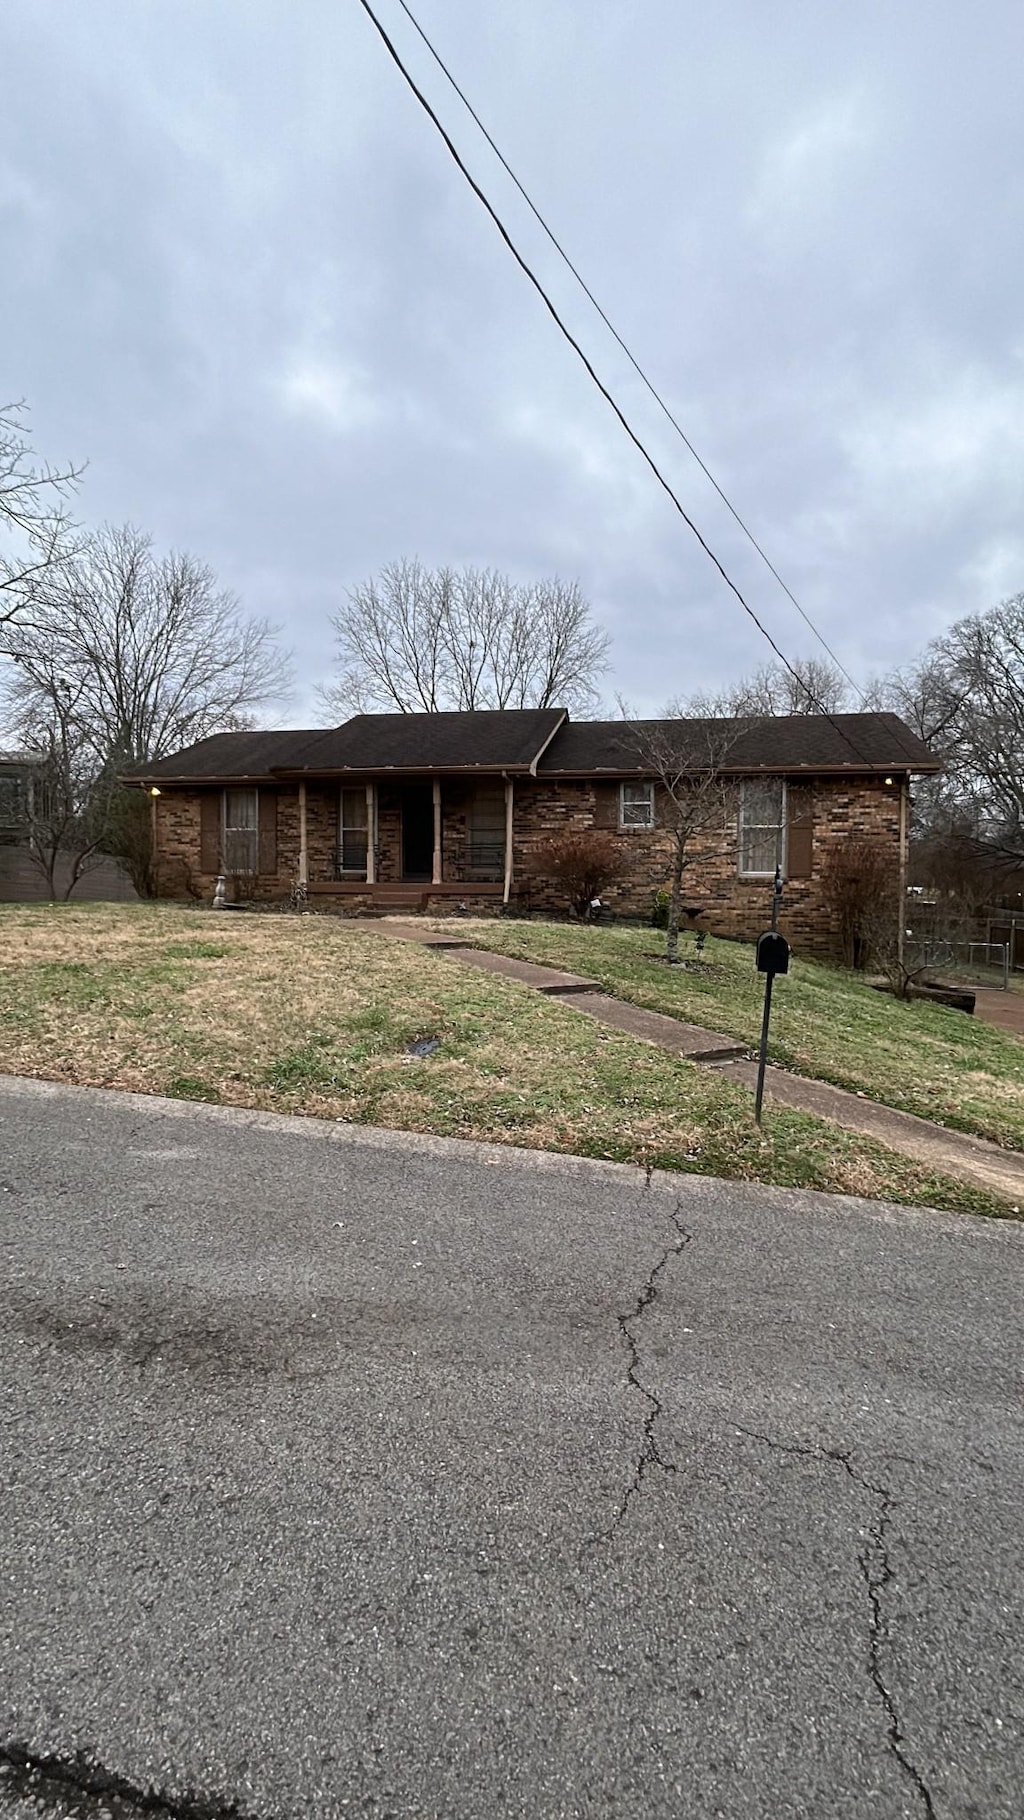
[(253, 753), (489, 740), (789, 742), (511, 740)]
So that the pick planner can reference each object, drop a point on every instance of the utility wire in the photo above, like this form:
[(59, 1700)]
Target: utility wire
[(630, 356), (603, 389)]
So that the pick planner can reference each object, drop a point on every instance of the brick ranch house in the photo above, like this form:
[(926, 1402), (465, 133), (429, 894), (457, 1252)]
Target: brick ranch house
[(434, 812)]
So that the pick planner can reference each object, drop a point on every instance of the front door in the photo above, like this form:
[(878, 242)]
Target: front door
[(418, 832)]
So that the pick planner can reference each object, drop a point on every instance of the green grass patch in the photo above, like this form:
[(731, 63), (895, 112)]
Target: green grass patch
[(829, 1025), (192, 1087), (196, 951)]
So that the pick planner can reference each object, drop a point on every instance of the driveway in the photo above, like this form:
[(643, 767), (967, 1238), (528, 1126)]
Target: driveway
[(348, 1473)]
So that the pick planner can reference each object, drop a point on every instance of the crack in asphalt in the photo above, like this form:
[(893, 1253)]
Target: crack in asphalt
[(876, 1571), (649, 1455), (82, 1786)]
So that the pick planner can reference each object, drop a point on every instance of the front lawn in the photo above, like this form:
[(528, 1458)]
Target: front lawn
[(308, 1015), (917, 1057)]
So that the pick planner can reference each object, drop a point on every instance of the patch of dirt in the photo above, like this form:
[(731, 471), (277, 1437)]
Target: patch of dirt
[(707, 969)]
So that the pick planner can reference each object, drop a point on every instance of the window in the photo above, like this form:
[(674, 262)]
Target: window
[(353, 833), (485, 834), (241, 831), (636, 806), (12, 801), (762, 824)]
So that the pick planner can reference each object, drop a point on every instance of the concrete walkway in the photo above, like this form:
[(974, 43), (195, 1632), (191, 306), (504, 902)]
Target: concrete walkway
[(969, 1159)]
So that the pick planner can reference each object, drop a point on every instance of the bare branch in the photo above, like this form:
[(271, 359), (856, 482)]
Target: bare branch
[(690, 757), (38, 532), (813, 686), (126, 657), (418, 640)]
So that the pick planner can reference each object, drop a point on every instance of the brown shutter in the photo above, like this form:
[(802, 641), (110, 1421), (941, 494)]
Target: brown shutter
[(606, 805), (209, 830), (268, 834), (800, 833)]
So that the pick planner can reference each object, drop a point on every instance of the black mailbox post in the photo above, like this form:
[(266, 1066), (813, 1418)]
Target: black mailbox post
[(772, 956)]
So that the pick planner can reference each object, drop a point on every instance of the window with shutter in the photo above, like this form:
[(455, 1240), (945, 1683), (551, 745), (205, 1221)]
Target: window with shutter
[(267, 820), (800, 834), (485, 833), (210, 818), (606, 805), (762, 826), (353, 832), (241, 831)]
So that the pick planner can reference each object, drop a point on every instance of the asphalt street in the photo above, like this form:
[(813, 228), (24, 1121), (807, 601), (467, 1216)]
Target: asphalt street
[(347, 1473)]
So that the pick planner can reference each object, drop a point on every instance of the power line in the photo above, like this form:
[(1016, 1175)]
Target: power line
[(630, 356), (602, 388)]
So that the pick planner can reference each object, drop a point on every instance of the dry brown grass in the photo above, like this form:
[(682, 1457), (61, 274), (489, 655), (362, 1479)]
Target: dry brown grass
[(312, 1015)]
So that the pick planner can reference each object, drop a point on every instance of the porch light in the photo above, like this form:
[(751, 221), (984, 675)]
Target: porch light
[(154, 790)]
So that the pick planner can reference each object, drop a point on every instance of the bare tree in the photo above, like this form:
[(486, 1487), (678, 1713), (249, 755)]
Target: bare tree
[(33, 515), (980, 664), (689, 757), (153, 654), (67, 804), (817, 687), (126, 657), (965, 698), (421, 640)]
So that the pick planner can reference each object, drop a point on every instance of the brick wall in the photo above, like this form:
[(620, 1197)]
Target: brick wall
[(177, 871), (728, 904)]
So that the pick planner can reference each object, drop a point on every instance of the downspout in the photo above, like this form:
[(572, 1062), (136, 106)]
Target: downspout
[(902, 891), (154, 840), (303, 847), (508, 838)]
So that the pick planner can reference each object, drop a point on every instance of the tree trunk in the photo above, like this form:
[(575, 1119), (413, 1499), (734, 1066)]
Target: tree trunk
[(675, 902)]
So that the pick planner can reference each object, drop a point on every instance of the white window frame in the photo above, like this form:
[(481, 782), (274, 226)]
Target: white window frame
[(363, 827), (231, 865), (633, 824), (743, 828)]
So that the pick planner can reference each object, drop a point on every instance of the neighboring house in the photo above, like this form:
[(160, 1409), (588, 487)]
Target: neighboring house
[(437, 811), (21, 878)]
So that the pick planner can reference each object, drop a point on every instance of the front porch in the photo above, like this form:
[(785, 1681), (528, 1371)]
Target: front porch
[(352, 893), (384, 843)]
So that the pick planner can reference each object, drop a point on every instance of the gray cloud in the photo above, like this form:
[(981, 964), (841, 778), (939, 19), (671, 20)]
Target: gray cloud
[(243, 278)]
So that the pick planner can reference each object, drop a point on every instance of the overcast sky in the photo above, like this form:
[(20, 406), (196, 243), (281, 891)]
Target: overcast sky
[(242, 278)]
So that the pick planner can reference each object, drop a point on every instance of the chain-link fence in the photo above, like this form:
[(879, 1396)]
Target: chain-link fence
[(966, 962)]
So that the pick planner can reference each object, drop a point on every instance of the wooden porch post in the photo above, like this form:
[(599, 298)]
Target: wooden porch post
[(371, 834), (508, 840), (303, 847), (436, 876)]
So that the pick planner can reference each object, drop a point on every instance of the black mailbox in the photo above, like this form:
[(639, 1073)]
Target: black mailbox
[(772, 952)]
